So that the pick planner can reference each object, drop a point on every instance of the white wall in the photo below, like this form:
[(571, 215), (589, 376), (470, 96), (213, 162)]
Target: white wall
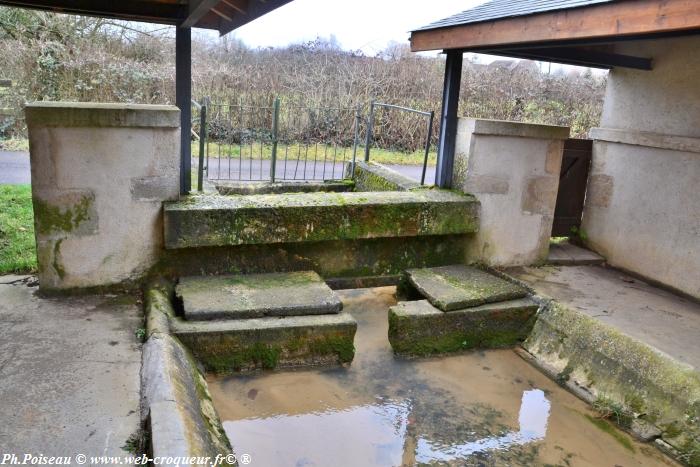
[(100, 173), (513, 170), (642, 207)]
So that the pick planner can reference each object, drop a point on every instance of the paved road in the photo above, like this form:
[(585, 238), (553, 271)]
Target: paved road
[(14, 169)]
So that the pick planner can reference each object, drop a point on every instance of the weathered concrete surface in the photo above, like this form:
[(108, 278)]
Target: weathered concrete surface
[(418, 328), (458, 286), (69, 373), (177, 403), (630, 347), (100, 173), (567, 254), (270, 342), (244, 296), (623, 376), (331, 259), (659, 318), (263, 188), (641, 210), (513, 170), (371, 176), (200, 221)]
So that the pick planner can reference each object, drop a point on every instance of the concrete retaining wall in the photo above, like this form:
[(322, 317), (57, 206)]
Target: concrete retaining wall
[(642, 203), (513, 170), (175, 398), (100, 173)]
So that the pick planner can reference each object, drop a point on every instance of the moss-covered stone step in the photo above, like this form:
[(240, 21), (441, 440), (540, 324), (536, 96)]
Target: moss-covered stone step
[(271, 342), (458, 286), (417, 328), (267, 187), (245, 296), (215, 220)]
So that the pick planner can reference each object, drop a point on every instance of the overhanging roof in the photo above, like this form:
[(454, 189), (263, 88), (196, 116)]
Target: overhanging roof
[(220, 15), (565, 31)]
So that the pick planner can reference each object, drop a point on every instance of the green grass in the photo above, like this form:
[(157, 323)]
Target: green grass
[(17, 247), (315, 152), (14, 144)]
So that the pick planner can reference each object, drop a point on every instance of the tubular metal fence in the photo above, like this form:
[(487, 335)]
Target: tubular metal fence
[(285, 140)]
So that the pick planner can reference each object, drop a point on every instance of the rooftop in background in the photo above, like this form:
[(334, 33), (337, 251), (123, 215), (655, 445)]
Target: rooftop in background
[(575, 32), (499, 9), (221, 15)]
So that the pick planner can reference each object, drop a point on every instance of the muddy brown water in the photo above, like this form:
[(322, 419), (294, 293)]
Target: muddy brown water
[(479, 408)]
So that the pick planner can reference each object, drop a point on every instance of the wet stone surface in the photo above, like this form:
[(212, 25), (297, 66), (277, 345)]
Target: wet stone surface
[(480, 408), (458, 286), (256, 295)]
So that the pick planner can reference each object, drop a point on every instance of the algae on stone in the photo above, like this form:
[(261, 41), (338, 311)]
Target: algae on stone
[(458, 286)]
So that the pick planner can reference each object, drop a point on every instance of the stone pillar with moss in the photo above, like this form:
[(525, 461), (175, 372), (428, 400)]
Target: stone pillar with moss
[(513, 170), (100, 173)]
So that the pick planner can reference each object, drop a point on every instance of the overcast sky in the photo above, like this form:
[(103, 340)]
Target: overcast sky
[(368, 25)]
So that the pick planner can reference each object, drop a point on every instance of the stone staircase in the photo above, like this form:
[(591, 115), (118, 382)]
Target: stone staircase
[(246, 322), (456, 308)]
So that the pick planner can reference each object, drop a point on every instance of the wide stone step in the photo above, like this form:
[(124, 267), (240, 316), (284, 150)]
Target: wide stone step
[(270, 342), (418, 328), (459, 286), (256, 295), (213, 220)]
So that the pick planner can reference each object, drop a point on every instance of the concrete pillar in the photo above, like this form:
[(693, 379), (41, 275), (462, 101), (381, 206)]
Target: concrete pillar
[(100, 173), (513, 170)]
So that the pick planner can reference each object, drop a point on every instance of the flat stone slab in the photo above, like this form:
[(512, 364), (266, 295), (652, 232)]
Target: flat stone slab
[(566, 254), (418, 328), (459, 286), (270, 342), (215, 220), (256, 295)]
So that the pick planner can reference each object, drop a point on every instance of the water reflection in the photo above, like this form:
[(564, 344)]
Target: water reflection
[(481, 408), (534, 412), (371, 434)]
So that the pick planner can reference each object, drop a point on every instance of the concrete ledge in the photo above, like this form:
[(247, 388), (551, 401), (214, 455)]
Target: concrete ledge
[(371, 176), (177, 403), (625, 376), (240, 345), (265, 188), (417, 328), (647, 139), (480, 126), (306, 217), (175, 398), (100, 115)]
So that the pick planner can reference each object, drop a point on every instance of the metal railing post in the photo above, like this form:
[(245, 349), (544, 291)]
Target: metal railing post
[(354, 141), (202, 141), (427, 146), (275, 122), (370, 124)]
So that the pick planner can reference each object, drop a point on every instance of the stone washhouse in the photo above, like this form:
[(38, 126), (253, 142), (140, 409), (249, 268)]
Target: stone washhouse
[(237, 282)]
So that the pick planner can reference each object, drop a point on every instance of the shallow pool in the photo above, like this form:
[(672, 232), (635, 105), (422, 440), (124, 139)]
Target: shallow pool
[(479, 408)]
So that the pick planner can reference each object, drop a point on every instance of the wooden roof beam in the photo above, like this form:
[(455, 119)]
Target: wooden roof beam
[(606, 20), (577, 56), (198, 10)]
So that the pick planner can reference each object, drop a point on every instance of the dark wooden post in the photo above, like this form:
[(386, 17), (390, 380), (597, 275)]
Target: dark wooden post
[(183, 98), (448, 119)]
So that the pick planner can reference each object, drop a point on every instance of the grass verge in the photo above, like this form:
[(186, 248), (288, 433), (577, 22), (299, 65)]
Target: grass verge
[(17, 247), (318, 152)]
